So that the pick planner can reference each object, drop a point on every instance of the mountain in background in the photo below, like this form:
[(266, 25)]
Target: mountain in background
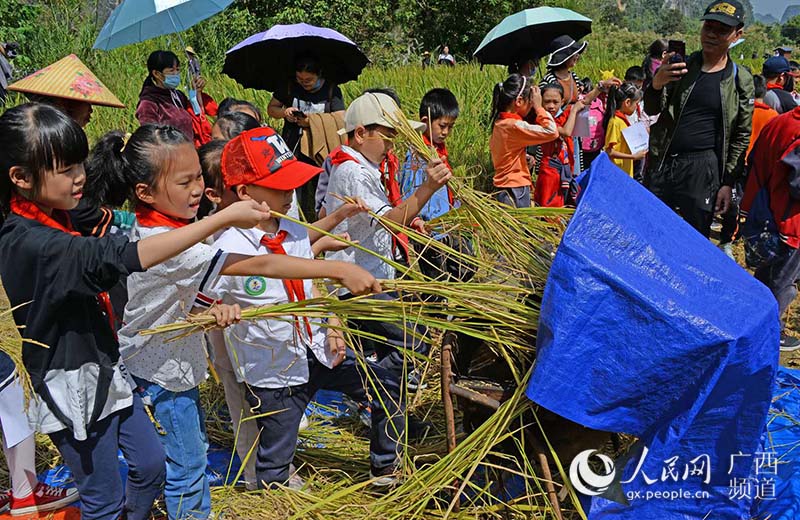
[(695, 8), (766, 19), (790, 12)]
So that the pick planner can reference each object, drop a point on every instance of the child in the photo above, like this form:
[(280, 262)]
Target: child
[(762, 113), (555, 168), (554, 181), (592, 145), (355, 173), (229, 105), (438, 110), (635, 75), (512, 100), (622, 102), (228, 126), (218, 198), (53, 277), (160, 169), (284, 363), (27, 495)]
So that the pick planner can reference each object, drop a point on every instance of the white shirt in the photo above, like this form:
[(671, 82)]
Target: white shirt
[(268, 353), (361, 178), (164, 294)]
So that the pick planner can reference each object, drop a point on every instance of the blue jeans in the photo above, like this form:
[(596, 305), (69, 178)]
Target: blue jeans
[(516, 197), (179, 414), (95, 467)]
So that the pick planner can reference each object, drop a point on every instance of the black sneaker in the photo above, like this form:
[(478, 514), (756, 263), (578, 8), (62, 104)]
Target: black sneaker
[(383, 477), (416, 429), (789, 343)]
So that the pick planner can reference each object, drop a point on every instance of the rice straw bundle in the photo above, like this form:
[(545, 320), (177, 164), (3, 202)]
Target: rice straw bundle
[(513, 250)]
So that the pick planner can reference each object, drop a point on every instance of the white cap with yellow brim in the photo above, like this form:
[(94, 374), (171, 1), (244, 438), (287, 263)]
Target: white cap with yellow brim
[(373, 108)]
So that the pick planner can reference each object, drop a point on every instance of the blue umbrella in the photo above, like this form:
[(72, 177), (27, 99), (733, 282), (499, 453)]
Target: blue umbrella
[(135, 21), (266, 60), (527, 34)]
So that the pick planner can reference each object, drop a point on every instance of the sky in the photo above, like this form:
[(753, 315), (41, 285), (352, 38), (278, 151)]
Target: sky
[(773, 7)]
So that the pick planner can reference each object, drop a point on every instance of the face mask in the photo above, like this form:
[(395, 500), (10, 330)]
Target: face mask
[(317, 85), (172, 81), (654, 65)]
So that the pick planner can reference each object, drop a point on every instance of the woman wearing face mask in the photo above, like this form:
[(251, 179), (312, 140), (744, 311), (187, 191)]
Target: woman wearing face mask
[(651, 63), (161, 101), (307, 92)]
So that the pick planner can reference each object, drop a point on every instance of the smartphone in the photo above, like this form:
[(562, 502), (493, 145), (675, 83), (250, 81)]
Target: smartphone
[(679, 48), (300, 114)]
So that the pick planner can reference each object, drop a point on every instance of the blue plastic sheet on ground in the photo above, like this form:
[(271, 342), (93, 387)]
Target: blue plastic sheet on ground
[(781, 501), (647, 328)]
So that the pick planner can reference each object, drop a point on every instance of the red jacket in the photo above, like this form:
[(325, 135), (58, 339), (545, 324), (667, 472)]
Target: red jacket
[(779, 138), (171, 107)]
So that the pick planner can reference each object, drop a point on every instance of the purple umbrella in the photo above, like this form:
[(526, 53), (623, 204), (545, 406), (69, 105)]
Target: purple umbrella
[(266, 60)]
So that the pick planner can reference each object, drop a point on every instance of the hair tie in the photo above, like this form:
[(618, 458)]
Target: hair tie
[(500, 84), (524, 84), (125, 139)]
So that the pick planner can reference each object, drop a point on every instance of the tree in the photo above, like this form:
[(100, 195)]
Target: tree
[(671, 22), (791, 29)]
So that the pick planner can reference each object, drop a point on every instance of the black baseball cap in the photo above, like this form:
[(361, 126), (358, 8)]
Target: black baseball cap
[(729, 12)]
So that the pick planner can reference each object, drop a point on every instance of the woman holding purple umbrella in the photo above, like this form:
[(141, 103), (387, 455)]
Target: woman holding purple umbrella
[(307, 93)]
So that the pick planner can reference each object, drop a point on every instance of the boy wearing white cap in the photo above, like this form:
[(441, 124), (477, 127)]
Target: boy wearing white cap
[(355, 174)]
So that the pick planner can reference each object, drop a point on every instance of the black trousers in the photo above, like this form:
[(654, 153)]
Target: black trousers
[(391, 339), (688, 183), (277, 439), (781, 278)]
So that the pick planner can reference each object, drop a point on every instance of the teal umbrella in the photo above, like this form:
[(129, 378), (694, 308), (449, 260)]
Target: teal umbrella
[(527, 34), (135, 21)]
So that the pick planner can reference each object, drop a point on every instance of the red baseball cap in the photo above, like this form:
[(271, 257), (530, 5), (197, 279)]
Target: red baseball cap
[(261, 157)]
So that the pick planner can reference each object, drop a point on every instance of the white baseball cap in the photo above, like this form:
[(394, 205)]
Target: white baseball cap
[(371, 109)]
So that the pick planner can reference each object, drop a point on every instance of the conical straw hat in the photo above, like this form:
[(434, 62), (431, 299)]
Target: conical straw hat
[(68, 78)]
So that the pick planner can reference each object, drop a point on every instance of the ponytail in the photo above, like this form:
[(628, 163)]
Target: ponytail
[(105, 178), (119, 166), (506, 92), (616, 96)]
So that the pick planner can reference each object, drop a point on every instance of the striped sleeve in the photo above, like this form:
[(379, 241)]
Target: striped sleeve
[(205, 298)]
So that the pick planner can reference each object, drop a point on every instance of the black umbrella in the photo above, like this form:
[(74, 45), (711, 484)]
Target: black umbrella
[(528, 34), (266, 60)]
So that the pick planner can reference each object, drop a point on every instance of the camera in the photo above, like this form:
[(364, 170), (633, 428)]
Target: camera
[(679, 48)]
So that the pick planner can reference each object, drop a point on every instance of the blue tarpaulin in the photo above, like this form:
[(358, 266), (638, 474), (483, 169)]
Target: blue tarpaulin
[(649, 329)]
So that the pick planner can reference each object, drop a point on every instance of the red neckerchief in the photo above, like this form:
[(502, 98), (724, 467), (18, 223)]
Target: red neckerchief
[(774, 86), (623, 117), (58, 219), (295, 291), (388, 170), (339, 156), (568, 145), (762, 105), (509, 115), (148, 217), (441, 151)]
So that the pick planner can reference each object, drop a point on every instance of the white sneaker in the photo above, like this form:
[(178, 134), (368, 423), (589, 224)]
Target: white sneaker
[(303, 423)]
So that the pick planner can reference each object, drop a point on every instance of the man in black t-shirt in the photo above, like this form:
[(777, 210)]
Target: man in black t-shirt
[(705, 104)]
